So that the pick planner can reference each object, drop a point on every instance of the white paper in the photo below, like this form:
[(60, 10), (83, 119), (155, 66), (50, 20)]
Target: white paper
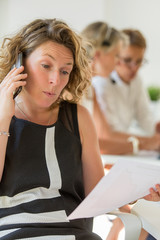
[(128, 180)]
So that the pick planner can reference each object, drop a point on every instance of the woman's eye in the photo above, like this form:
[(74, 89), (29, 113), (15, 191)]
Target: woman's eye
[(65, 72), (45, 66)]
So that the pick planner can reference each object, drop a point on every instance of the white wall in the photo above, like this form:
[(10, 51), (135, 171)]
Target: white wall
[(3, 16), (141, 14), (75, 12)]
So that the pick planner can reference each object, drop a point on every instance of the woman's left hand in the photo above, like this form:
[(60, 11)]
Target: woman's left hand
[(154, 194)]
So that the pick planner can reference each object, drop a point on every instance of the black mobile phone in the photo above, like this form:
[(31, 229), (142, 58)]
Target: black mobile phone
[(19, 62)]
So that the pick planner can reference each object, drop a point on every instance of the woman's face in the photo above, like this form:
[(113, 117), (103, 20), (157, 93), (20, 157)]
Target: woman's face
[(48, 69)]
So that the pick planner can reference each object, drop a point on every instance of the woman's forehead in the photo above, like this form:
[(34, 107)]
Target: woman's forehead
[(54, 51)]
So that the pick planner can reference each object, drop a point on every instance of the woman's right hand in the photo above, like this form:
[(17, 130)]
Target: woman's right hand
[(7, 87)]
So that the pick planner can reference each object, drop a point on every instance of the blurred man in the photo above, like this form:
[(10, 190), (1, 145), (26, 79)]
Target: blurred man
[(126, 100)]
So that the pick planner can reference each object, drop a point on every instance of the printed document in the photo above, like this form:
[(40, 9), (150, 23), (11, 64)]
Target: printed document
[(128, 180)]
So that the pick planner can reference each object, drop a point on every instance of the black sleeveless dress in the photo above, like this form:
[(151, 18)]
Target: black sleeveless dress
[(42, 182)]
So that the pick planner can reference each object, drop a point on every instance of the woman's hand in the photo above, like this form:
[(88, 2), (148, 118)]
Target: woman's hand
[(7, 87), (154, 194)]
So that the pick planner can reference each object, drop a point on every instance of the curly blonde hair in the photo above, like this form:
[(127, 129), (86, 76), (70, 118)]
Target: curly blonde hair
[(42, 30)]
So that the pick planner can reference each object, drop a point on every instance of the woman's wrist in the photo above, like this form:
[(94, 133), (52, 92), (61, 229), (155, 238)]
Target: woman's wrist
[(4, 127), (135, 144), (4, 133)]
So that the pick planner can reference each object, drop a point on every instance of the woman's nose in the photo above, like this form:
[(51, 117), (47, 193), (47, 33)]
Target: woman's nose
[(54, 78)]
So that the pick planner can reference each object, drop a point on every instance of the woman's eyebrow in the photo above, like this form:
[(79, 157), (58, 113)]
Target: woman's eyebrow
[(69, 63)]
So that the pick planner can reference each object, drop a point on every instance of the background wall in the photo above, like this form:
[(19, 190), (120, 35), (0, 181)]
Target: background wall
[(15, 13), (141, 14)]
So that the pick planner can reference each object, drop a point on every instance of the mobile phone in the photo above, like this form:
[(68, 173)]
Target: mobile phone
[(19, 62)]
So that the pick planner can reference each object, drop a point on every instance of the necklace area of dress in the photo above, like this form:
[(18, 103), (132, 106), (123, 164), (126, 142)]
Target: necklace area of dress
[(27, 118)]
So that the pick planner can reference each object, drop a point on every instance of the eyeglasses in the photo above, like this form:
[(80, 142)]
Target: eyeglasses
[(129, 62)]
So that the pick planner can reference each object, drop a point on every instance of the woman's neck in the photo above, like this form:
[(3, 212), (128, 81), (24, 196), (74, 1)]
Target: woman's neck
[(25, 109)]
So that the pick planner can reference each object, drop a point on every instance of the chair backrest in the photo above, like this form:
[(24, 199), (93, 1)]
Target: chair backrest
[(149, 214)]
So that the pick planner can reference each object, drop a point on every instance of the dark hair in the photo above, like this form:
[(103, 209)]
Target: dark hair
[(135, 38)]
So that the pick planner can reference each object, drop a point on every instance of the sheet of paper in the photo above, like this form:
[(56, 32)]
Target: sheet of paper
[(127, 181)]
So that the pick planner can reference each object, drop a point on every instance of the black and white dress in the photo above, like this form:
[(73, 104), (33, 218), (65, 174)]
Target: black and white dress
[(42, 181)]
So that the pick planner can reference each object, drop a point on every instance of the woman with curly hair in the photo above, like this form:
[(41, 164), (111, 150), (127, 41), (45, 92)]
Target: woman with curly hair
[(49, 154)]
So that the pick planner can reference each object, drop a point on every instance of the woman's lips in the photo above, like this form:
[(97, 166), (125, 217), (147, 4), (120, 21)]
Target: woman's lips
[(49, 94)]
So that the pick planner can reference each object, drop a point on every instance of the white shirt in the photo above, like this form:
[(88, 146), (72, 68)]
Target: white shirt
[(123, 103)]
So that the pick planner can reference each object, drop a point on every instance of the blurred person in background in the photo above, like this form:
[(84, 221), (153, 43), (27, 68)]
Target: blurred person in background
[(125, 99), (114, 103)]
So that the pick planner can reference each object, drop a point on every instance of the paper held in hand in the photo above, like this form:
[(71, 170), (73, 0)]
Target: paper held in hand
[(127, 181)]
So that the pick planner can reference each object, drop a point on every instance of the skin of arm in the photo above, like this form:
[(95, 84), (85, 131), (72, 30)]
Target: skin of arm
[(93, 169), (3, 144), (7, 107), (113, 142)]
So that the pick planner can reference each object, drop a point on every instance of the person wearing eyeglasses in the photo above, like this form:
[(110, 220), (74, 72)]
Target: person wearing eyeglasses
[(125, 99), (111, 111)]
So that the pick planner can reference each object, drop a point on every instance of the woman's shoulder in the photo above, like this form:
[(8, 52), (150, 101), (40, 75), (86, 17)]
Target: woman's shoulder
[(84, 117), (76, 109), (82, 110)]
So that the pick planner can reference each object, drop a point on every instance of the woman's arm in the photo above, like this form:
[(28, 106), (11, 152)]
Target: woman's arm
[(93, 169), (113, 142), (4, 127), (7, 108)]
